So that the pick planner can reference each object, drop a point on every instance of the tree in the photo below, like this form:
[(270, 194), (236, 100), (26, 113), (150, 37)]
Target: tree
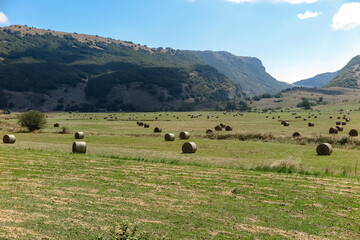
[(304, 104), (231, 106), (32, 120), (243, 106)]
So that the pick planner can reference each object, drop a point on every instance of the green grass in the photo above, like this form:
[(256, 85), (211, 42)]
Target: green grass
[(272, 188), (48, 194)]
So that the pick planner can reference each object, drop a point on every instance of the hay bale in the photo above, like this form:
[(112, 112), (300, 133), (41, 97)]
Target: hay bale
[(169, 137), (324, 149), (9, 139), (311, 124), (218, 128), (296, 135), (141, 124), (157, 130), (79, 147), (228, 128), (339, 128), (353, 133), (56, 125), (333, 130), (222, 125), (286, 124), (79, 135), (189, 147), (337, 123), (330, 117), (343, 123), (209, 131), (184, 135), (146, 125)]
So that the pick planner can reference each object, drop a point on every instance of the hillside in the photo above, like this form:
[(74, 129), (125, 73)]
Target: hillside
[(320, 98), (349, 76), (248, 72), (317, 81), (50, 70)]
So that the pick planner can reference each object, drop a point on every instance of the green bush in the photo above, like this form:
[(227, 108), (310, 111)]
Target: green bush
[(32, 120)]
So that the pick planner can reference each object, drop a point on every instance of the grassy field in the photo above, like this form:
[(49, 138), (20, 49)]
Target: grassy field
[(226, 190)]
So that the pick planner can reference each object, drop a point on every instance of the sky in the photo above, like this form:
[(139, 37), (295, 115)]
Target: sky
[(295, 39)]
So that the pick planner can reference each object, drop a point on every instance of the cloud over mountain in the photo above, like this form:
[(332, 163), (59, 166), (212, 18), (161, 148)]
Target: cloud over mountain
[(347, 17)]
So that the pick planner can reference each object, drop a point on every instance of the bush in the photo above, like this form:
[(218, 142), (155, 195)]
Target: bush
[(123, 231), (32, 120)]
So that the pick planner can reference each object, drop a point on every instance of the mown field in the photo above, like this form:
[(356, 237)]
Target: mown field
[(254, 182)]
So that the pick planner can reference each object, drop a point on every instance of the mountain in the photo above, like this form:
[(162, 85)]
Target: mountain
[(248, 72), (317, 81), (349, 76), (49, 70)]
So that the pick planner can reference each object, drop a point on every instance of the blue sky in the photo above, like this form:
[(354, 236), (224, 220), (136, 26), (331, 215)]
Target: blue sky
[(295, 39)]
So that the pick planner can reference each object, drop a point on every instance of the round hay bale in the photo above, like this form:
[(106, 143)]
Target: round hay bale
[(333, 130), (353, 133), (286, 124), (184, 135), (189, 147), (146, 125), (337, 123), (339, 128), (169, 137), (9, 139), (79, 147), (330, 117), (228, 128), (56, 125), (324, 149), (311, 124), (343, 123), (79, 135), (222, 125), (296, 135), (209, 131), (283, 122), (141, 124), (218, 128), (273, 118), (157, 130), (347, 119)]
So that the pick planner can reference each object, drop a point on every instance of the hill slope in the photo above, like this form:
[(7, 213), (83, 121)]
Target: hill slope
[(246, 71), (317, 81), (82, 72), (349, 76), (48, 70)]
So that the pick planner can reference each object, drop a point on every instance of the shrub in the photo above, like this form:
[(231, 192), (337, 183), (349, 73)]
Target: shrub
[(123, 231), (32, 120)]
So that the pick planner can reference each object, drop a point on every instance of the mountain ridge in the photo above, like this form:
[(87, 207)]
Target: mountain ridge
[(39, 66), (318, 80), (349, 76)]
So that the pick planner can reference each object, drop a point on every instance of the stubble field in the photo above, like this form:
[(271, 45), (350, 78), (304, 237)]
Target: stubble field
[(254, 182)]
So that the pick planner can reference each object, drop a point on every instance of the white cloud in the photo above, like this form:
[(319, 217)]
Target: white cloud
[(3, 18), (347, 17), (308, 14)]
